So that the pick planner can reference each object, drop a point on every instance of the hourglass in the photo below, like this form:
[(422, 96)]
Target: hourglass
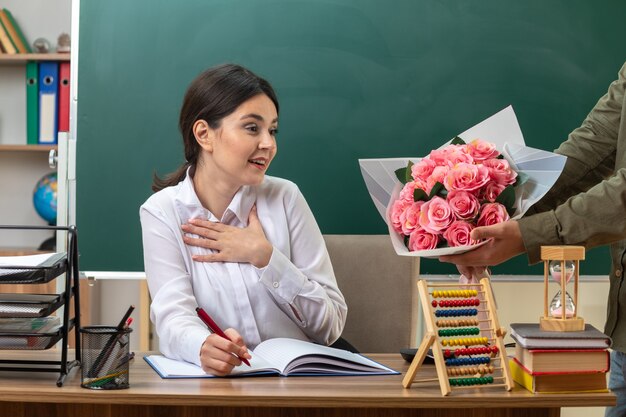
[(561, 265)]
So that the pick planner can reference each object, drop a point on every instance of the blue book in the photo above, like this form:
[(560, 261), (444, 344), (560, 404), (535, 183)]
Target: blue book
[(48, 102)]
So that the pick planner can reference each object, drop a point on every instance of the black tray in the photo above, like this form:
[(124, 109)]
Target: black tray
[(20, 274), (29, 305), (30, 341)]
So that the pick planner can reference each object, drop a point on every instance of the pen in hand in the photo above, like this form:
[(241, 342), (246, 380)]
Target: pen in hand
[(216, 329)]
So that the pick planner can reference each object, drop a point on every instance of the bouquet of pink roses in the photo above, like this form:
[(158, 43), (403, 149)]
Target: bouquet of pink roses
[(431, 204), (450, 192)]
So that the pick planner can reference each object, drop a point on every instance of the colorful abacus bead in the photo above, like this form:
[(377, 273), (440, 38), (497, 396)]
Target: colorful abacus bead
[(471, 370), (476, 360), (471, 381), (454, 293)]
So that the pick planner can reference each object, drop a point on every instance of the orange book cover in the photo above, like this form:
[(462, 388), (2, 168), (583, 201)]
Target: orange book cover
[(557, 382), (8, 27), (7, 45)]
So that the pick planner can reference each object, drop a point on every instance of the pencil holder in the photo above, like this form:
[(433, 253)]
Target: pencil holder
[(105, 357)]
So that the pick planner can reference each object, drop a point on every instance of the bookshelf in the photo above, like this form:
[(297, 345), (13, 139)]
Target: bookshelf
[(22, 165), (27, 148), (21, 59)]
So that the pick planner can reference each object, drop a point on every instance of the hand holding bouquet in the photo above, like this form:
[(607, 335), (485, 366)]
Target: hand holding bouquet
[(450, 192)]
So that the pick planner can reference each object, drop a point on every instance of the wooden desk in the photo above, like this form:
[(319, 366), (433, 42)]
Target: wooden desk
[(28, 394)]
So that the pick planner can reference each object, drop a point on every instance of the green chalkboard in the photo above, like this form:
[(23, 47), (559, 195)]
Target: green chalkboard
[(356, 79)]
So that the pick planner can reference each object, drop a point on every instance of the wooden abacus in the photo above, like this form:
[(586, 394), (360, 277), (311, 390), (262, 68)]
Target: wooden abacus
[(480, 349)]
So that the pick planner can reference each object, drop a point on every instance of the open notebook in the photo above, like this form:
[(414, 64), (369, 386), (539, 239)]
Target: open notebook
[(282, 357)]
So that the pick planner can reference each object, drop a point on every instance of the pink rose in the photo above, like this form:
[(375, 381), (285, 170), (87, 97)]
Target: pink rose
[(492, 213), (458, 234), (422, 240), (463, 204), (467, 177), (423, 169), (398, 207), (500, 171), (435, 215), (409, 217), (406, 193), (451, 155), (438, 175), (481, 150), (491, 191)]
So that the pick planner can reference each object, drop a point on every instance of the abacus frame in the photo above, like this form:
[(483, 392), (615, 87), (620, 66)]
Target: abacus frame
[(431, 339)]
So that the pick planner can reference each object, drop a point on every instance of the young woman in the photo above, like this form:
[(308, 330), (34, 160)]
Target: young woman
[(220, 234)]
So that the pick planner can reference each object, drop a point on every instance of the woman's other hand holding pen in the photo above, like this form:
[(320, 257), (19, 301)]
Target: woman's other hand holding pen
[(232, 244), (218, 356)]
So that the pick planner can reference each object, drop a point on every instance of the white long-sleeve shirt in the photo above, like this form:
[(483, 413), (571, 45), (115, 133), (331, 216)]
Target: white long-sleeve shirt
[(257, 302)]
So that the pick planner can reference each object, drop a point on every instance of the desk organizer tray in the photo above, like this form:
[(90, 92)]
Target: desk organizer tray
[(29, 305), (30, 341), (39, 274)]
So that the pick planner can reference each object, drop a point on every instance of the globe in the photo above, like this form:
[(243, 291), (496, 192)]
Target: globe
[(45, 197)]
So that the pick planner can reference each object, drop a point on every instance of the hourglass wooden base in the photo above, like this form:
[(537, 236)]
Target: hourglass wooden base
[(572, 324)]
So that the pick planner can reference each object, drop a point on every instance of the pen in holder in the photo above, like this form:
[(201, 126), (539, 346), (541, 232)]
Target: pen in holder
[(105, 357)]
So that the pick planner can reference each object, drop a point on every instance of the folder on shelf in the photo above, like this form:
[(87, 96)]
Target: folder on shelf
[(32, 103), (48, 102), (5, 40), (10, 30), (64, 97), (19, 35)]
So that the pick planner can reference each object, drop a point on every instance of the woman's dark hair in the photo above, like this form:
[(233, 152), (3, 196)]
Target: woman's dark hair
[(213, 95)]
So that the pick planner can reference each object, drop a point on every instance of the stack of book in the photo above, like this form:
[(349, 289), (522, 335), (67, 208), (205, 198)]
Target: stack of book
[(12, 40), (556, 362)]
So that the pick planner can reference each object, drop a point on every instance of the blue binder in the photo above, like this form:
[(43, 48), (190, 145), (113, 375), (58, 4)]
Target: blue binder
[(48, 102)]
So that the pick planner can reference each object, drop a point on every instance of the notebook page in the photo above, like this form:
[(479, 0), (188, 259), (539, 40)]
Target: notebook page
[(282, 351), (171, 368)]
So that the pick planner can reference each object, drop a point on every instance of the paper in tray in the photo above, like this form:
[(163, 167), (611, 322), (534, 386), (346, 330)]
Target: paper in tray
[(32, 269)]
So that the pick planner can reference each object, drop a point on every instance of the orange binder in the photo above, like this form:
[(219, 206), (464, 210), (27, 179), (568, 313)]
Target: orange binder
[(64, 97)]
